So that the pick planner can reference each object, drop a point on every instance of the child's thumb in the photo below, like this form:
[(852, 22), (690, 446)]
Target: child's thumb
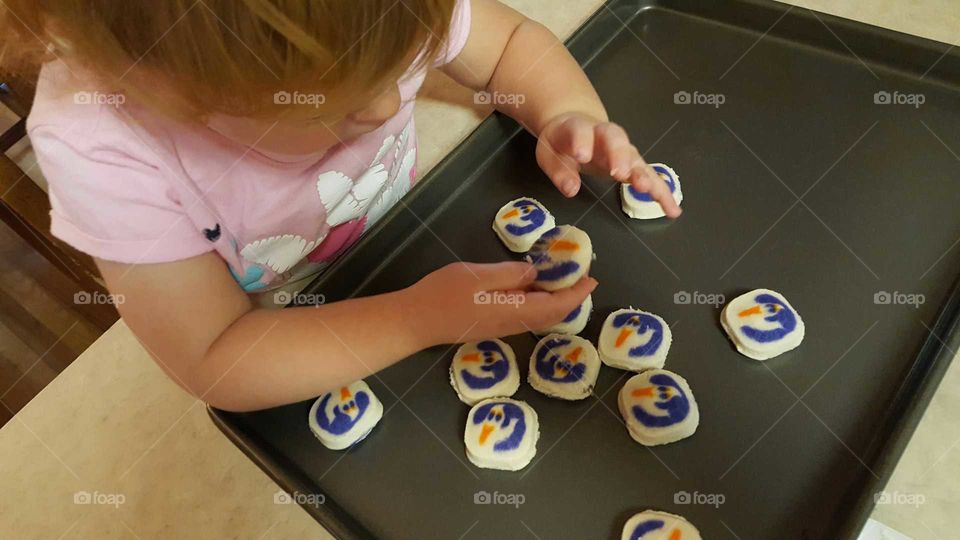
[(505, 275)]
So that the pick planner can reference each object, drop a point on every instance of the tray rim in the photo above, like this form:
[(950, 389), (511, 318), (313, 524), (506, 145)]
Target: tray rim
[(911, 399)]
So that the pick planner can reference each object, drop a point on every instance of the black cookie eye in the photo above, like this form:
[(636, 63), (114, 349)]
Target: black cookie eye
[(344, 407), (488, 360)]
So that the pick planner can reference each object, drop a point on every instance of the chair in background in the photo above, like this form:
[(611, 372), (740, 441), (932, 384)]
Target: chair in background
[(25, 207)]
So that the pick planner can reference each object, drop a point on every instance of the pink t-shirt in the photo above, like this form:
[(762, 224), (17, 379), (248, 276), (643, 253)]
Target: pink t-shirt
[(153, 191)]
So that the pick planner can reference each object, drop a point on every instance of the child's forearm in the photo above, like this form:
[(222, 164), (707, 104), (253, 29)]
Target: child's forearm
[(539, 71), (271, 357), (531, 77), (200, 328)]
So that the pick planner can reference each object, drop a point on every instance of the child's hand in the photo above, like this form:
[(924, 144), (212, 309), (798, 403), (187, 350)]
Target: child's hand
[(573, 142), (468, 301)]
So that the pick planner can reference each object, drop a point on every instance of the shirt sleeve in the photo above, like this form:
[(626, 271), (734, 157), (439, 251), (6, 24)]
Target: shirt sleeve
[(458, 34), (111, 205)]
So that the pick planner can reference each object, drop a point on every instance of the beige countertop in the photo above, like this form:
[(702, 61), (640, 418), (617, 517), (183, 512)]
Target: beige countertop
[(114, 426)]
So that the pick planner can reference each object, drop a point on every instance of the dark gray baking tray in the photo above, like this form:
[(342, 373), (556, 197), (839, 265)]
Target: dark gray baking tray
[(880, 193)]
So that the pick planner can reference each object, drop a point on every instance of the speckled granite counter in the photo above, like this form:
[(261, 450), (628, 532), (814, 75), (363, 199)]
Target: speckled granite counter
[(114, 427)]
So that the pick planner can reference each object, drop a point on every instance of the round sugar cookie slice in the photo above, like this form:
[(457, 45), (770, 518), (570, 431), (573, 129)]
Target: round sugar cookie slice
[(501, 434), (561, 256), (484, 369), (634, 340), (655, 525), (658, 407), (574, 322), (564, 367), (520, 222), (762, 324), (639, 205), (345, 416)]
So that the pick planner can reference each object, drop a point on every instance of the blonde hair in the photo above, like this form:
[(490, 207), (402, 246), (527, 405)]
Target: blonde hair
[(193, 58)]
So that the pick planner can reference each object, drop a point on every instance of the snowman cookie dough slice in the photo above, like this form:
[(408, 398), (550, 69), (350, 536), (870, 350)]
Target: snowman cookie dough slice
[(484, 369), (561, 256), (658, 407), (574, 322), (520, 222), (762, 324), (634, 340), (639, 205), (501, 434), (345, 416), (564, 367), (654, 525)]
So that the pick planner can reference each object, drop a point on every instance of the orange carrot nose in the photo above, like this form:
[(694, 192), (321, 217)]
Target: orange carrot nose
[(755, 310), (563, 245), (485, 432), (575, 354), (643, 392), (624, 334), (511, 214), (345, 394), (474, 357), (675, 535)]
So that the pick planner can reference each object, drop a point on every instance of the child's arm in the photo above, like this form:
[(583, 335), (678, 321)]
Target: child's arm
[(510, 55), (202, 330)]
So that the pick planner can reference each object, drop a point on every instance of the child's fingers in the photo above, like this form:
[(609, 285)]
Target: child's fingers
[(574, 138), (645, 179), (504, 275), (566, 300), (613, 151), (542, 309), (562, 170)]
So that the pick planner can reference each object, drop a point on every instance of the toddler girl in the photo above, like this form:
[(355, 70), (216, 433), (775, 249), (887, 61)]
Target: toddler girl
[(207, 151)]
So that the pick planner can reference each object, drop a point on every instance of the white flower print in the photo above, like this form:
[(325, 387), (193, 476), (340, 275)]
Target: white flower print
[(280, 253)]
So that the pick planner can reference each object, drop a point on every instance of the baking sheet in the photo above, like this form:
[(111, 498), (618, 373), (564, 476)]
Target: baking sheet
[(799, 181)]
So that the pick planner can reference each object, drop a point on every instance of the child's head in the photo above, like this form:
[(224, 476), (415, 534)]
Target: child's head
[(304, 63)]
